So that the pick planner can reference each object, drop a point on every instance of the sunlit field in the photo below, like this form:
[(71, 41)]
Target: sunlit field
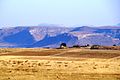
[(59, 64)]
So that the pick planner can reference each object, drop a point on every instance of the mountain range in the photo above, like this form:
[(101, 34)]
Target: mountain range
[(53, 36)]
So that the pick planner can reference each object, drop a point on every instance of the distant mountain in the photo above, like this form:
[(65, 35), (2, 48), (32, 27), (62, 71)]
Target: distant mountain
[(80, 28), (109, 27), (50, 25), (39, 32), (83, 29), (53, 36), (98, 39), (115, 33), (22, 38), (48, 41)]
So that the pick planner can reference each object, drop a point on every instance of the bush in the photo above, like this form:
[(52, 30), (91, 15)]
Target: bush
[(63, 45), (76, 46), (95, 47), (114, 45)]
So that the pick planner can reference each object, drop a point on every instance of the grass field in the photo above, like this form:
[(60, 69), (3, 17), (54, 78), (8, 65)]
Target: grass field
[(59, 64)]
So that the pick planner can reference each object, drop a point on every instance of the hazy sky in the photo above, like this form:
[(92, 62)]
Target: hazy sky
[(66, 12)]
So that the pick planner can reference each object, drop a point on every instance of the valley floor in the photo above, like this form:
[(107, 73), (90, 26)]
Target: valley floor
[(59, 64)]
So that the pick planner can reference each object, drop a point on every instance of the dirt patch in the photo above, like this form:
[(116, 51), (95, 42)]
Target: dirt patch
[(34, 53), (78, 53), (90, 55)]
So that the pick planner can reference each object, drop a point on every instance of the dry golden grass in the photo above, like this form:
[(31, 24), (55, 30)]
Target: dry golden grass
[(59, 64)]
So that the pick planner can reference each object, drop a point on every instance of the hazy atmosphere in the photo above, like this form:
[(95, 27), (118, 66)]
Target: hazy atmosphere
[(63, 12)]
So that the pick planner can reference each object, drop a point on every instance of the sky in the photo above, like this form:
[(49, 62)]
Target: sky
[(62, 12)]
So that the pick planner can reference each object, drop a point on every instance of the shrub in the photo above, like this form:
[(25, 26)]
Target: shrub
[(114, 45), (63, 45), (76, 46), (95, 47)]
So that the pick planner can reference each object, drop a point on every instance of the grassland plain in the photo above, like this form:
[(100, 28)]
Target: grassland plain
[(59, 64)]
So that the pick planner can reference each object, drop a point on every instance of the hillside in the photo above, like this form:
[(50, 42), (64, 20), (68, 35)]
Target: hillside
[(48, 36)]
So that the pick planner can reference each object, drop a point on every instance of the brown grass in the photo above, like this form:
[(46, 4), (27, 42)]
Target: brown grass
[(59, 64)]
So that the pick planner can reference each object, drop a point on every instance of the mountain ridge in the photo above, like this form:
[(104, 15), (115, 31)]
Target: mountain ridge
[(41, 36)]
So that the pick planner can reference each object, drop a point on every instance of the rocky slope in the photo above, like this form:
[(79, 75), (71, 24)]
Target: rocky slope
[(48, 36)]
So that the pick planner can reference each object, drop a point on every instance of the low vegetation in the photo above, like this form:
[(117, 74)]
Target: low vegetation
[(105, 47), (59, 64)]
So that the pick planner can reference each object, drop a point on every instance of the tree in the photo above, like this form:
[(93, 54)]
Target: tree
[(87, 45), (114, 45), (63, 45), (76, 46)]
